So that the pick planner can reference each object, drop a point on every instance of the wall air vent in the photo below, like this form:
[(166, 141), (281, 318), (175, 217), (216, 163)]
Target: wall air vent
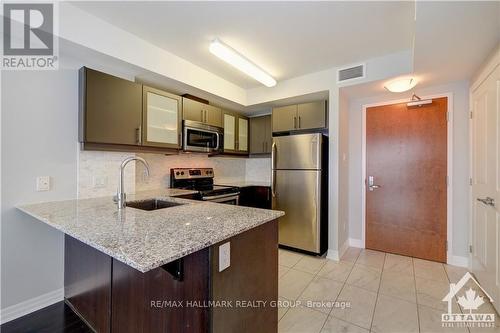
[(356, 72)]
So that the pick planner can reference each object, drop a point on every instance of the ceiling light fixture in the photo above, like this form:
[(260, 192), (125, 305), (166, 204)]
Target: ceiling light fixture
[(401, 85), (238, 61)]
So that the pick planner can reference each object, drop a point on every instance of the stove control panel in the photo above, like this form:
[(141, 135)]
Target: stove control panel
[(192, 173)]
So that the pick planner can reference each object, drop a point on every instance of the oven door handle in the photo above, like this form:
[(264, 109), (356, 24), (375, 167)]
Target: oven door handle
[(214, 197)]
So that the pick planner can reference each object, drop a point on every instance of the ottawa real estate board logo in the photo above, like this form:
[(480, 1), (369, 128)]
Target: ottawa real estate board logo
[(471, 297), (28, 39)]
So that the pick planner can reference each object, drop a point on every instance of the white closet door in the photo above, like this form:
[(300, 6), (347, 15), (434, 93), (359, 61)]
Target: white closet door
[(486, 185)]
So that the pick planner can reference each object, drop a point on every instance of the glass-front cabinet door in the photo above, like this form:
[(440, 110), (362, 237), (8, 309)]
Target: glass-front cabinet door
[(161, 123), (229, 120), (242, 134)]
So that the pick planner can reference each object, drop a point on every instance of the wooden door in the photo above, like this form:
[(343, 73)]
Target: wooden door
[(311, 115), (486, 185), (242, 134), (111, 109), (284, 118), (406, 154), (257, 135), (213, 115), (229, 131), (268, 134), (192, 110)]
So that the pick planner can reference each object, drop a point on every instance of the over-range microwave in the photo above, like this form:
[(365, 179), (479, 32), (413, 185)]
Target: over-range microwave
[(200, 137)]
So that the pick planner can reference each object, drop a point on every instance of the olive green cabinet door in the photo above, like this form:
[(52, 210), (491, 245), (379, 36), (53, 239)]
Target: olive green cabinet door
[(161, 121), (242, 134), (257, 135), (229, 132), (111, 109), (192, 110), (284, 118), (268, 134), (311, 115), (213, 115)]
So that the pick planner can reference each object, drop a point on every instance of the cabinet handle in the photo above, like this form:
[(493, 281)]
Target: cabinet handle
[(294, 122), (138, 133), (263, 146), (202, 117), (299, 121)]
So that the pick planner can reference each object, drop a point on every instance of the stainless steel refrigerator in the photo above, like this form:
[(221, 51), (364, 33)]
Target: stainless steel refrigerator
[(300, 188)]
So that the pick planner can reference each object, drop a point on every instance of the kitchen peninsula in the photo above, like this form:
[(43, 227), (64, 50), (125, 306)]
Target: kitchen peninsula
[(154, 268)]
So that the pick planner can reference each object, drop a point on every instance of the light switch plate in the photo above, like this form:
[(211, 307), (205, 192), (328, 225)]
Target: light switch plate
[(100, 181), (43, 183), (224, 256)]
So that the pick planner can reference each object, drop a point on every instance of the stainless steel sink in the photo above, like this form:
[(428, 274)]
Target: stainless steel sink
[(152, 204)]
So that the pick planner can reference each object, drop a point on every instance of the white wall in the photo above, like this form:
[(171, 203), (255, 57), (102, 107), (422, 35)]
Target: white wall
[(460, 199), (343, 230), (39, 135)]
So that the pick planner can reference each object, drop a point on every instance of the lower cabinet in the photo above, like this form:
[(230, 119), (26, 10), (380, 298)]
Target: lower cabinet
[(113, 297), (256, 196)]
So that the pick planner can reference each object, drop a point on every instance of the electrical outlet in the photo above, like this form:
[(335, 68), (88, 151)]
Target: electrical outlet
[(224, 256), (100, 181), (43, 183)]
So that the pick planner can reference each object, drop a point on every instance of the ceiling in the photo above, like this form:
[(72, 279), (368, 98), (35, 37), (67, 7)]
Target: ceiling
[(287, 39)]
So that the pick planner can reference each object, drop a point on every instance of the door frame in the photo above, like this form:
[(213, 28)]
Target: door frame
[(449, 163)]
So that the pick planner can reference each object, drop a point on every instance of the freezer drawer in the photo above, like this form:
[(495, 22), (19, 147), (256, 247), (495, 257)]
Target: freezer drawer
[(297, 193), (301, 151)]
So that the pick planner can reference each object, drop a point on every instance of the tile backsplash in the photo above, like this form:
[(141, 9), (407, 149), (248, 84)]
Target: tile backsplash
[(98, 171)]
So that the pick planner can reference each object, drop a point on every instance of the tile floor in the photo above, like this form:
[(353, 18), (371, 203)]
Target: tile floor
[(387, 293)]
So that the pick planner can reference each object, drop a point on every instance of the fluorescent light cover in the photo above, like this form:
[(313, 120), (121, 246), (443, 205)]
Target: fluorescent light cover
[(400, 85), (238, 61)]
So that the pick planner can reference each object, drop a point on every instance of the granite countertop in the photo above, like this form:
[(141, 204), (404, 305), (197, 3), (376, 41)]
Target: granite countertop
[(146, 240), (243, 183)]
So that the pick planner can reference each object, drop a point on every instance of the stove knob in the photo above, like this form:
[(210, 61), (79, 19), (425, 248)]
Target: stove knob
[(182, 173), (177, 173)]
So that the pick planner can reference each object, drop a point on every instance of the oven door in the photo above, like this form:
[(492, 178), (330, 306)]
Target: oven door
[(230, 199), (202, 138)]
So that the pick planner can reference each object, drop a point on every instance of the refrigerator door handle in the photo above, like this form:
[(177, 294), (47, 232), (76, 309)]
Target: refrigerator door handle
[(273, 169)]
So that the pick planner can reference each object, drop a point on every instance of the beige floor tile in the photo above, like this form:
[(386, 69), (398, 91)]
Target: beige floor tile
[(430, 270), (282, 271), (351, 254), (455, 273), (486, 308), (336, 270), (362, 304), (393, 315), (430, 321), (398, 264), (293, 283), (288, 258), (321, 294), (398, 285), (335, 325), (430, 293), (283, 306), (302, 320), (371, 258), (310, 264), (364, 277)]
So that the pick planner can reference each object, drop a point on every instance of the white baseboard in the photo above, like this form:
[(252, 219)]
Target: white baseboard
[(336, 255), (458, 261), (353, 242), (31, 305)]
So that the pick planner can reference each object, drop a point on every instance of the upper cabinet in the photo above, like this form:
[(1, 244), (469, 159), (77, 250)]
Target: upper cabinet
[(235, 132), (110, 109), (161, 118), (260, 135), (117, 114), (300, 117), (204, 113)]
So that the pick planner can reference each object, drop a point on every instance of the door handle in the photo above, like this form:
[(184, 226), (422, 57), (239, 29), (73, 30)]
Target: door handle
[(487, 201), (138, 133), (295, 122), (202, 116), (299, 121), (371, 184)]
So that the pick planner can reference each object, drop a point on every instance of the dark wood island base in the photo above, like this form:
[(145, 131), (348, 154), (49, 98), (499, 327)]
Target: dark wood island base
[(111, 296)]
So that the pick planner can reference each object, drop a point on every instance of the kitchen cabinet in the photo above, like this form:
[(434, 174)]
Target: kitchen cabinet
[(110, 109), (260, 135), (235, 132), (204, 113), (161, 118), (256, 196), (300, 117)]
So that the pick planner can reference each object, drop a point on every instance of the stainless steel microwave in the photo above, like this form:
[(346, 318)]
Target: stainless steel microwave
[(200, 137)]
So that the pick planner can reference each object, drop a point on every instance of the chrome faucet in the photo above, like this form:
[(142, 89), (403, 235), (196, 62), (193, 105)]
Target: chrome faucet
[(120, 194)]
